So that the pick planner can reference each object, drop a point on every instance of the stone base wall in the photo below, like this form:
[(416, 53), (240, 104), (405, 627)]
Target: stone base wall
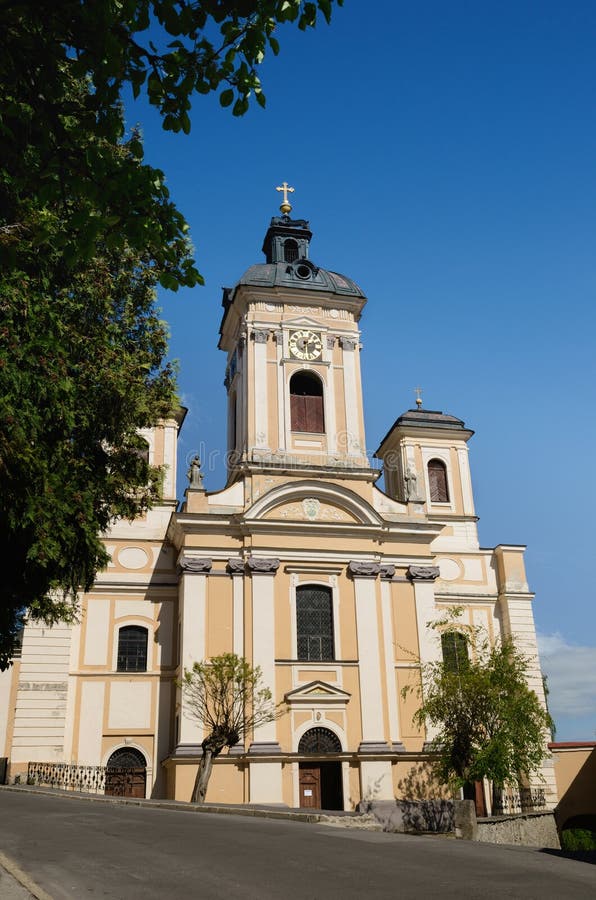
[(411, 816), (530, 829)]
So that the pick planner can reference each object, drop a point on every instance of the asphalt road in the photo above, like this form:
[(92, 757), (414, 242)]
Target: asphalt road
[(78, 849)]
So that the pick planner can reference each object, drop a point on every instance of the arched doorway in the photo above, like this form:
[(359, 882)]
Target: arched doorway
[(320, 780), (126, 773)]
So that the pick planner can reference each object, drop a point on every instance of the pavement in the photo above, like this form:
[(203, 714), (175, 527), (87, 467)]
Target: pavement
[(71, 848), (16, 884)]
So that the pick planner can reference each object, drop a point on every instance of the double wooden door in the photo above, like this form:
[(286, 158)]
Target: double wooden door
[(321, 785), (126, 782)]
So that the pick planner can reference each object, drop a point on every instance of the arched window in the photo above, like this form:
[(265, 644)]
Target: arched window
[(132, 649), (314, 622), (319, 740), (306, 403), (437, 481), (126, 758), (454, 645), (290, 250)]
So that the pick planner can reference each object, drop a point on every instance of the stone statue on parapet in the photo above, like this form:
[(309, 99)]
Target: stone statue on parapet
[(411, 484), (194, 474)]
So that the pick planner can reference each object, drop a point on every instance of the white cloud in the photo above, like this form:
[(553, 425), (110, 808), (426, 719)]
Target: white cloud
[(571, 674)]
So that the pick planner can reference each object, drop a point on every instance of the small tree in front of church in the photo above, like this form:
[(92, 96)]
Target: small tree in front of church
[(489, 723), (226, 696)]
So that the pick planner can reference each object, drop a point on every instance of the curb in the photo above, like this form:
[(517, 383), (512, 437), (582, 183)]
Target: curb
[(15, 871), (261, 812)]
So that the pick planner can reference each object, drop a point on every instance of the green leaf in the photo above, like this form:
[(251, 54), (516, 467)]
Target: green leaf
[(226, 97)]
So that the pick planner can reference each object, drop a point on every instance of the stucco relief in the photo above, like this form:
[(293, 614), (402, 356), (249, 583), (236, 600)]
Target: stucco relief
[(339, 314), (310, 510)]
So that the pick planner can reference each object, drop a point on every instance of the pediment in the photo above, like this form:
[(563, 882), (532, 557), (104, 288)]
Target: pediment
[(303, 322), (313, 501), (317, 692)]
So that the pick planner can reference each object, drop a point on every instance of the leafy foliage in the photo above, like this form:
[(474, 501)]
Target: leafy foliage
[(226, 696), (489, 723), (87, 231), (574, 839), (59, 151), (81, 372)]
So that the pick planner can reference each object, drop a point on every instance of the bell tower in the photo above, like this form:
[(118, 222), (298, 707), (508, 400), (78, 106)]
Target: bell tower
[(290, 331)]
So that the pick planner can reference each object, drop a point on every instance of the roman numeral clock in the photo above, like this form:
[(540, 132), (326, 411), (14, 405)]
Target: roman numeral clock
[(306, 345)]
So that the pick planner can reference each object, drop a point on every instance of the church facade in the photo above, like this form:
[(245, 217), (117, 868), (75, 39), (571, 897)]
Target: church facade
[(301, 564)]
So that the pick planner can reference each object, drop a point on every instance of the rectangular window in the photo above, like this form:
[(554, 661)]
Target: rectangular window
[(132, 649), (314, 623)]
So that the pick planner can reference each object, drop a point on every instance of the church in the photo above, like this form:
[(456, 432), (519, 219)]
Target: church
[(301, 564)]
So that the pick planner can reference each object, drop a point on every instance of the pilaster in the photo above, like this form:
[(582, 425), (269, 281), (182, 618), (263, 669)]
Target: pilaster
[(387, 573), (192, 593), (263, 642), (375, 775), (429, 648)]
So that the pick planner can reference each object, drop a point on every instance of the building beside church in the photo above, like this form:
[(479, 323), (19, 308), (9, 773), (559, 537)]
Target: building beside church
[(302, 564)]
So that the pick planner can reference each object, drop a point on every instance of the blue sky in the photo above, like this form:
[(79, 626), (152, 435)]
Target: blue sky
[(444, 154)]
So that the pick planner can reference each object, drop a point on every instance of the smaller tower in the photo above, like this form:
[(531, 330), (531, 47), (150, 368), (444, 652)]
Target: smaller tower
[(425, 459)]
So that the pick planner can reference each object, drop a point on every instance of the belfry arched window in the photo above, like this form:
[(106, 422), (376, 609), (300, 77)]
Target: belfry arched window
[(306, 403), (437, 481), (319, 740), (290, 250), (314, 622), (454, 646), (132, 649)]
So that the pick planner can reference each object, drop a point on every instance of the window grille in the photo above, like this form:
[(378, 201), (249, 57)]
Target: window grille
[(454, 645), (306, 403), (314, 623), (126, 758), (319, 740), (437, 481), (132, 649)]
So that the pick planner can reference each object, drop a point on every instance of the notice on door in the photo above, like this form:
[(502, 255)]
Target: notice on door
[(307, 792)]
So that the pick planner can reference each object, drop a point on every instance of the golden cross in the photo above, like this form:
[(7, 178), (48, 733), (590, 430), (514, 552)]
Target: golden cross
[(285, 207), (418, 391)]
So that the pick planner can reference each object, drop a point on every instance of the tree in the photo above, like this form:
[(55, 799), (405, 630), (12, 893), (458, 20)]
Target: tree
[(226, 696), (489, 722), (87, 230), (170, 49)]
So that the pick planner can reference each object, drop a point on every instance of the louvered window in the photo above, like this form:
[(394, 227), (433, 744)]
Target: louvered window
[(132, 649), (314, 623), (454, 645), (306, 403), (437, 481), (290, 250)]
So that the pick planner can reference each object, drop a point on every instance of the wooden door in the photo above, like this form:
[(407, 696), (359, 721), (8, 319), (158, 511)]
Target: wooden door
[(126, 782), (479, 799), (310, 786)]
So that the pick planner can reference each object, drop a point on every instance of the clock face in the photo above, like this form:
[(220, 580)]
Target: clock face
[(305, 344)]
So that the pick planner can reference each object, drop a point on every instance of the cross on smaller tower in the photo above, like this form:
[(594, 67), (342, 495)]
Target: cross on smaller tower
[(418, 392), (286, 206)]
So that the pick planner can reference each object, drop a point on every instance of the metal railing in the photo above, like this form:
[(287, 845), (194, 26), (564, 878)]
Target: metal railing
[(90, 779)]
